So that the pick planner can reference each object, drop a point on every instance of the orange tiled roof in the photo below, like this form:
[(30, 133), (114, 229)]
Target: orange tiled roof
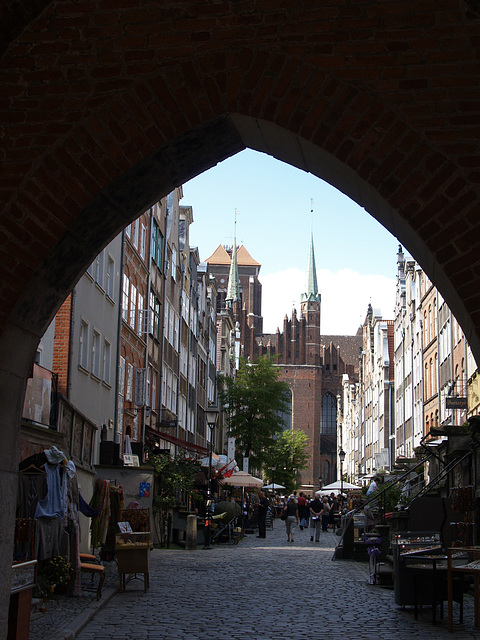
[(243, 257), (219, 256)]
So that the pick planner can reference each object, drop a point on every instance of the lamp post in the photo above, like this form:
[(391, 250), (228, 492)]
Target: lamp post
[(211, 414), (341, 457), (273, 478), (273, 489)]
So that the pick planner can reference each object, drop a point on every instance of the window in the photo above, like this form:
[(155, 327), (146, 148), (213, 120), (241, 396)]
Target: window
[(133, 305), (106, 362), (135, 233), (148, 387), (129, 390), (99, 269), (143, 241), (83, 350), (157, 246), (96, 354), (153, 399), (154, 327), (141, 314), (328, 420), (174, 263), (125, 297), (110, 288)]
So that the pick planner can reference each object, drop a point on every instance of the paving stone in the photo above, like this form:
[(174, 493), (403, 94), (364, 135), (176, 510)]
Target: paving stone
[(253, 588)]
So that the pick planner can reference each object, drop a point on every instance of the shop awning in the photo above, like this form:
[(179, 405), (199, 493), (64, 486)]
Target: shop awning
[(189, 446)]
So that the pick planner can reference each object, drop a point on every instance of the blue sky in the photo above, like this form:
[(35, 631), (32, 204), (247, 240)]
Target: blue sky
[(355, 255)]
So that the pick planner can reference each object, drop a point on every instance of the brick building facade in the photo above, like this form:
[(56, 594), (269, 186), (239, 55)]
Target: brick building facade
[(310, 364)]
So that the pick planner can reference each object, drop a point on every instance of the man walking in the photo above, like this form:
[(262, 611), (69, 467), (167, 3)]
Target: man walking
[(262, 515), (316, 510)]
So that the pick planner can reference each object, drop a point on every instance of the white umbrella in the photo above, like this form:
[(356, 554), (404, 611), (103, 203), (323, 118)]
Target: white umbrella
[(273, 485), (242, 479), (338, 485)]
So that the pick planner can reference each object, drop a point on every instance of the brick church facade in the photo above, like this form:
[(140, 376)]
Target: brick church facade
[(311, 364)]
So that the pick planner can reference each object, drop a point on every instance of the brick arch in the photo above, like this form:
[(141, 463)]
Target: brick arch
[(106, 106)]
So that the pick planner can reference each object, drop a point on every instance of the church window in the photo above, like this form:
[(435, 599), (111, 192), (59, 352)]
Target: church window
[(328, 421)]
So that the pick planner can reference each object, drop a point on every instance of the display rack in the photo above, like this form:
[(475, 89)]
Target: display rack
[(132, 549)]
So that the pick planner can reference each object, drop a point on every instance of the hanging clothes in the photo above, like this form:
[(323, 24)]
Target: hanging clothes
[(100, 500), (116, 507), (53, 504), (32, 487), (51, 539)]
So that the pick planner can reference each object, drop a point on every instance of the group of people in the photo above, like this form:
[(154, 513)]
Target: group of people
[(318, 514)]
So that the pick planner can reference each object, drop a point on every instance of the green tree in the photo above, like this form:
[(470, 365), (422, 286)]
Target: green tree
[(288, 455), (255, 400), (174, 486)]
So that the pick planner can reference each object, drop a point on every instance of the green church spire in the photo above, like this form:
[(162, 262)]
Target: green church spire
[(311, 294), (233, 289)]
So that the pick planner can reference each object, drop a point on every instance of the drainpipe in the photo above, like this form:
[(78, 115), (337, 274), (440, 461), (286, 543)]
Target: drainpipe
[(147, 332), (70, 344), (116, 435), (403, 392), (162, 336), (180, 307)]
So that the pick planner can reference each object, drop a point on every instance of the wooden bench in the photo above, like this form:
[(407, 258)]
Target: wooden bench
[(90, 564)]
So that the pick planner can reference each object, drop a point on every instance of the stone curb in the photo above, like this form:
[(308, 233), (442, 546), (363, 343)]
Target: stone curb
[(75, 626)]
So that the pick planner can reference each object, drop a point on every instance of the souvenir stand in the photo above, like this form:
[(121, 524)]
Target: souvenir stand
[(46, 527), (132, 546)]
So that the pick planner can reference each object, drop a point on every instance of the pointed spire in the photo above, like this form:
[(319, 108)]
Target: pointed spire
[(233, 289), (312, 286)]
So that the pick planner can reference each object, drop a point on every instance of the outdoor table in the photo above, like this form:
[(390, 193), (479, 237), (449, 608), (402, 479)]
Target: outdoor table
[(464, 561)]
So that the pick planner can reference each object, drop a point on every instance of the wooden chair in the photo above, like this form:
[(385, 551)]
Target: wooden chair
[(90, 564)]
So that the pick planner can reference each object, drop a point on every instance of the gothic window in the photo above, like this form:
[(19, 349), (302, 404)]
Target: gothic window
[(326, 472), (287, 416), (328, 421)]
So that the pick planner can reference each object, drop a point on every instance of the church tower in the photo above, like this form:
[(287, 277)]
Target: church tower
[(310, 311), (233, 288)]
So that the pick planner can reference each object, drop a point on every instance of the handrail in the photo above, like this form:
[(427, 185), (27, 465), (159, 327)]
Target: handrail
[(444, 472), (376, 496), (380, 493)]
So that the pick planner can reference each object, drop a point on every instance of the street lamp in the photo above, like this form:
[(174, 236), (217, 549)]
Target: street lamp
[(341, 457), (273, 478), (211, 414)]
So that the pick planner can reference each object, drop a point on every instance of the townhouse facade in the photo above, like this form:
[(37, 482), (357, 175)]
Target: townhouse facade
[(134, 346), (416, 374)]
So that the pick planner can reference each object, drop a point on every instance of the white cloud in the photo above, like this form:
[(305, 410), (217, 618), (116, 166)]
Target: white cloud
[(345, 298)]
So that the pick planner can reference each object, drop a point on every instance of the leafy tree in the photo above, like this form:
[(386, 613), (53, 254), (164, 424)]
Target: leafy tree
[(255, 400), (175, 484), (288, 455)]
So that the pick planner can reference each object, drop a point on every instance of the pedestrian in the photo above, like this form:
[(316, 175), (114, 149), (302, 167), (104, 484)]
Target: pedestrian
[(325, 513), (302, 510), (316, 509), (292, 518), (262, 515), (333, 511)]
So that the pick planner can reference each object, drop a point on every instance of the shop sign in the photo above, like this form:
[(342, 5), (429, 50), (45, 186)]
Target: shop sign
[(456, 403)]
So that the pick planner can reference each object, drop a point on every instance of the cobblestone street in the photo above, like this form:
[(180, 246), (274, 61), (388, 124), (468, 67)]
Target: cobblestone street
[(264, 589)]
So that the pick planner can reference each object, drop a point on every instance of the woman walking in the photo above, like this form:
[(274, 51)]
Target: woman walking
[(292, 518)]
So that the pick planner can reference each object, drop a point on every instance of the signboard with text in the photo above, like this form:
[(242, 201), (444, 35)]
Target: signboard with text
[(456, 403)]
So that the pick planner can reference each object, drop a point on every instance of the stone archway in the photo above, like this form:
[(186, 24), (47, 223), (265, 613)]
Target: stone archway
[(106, 107)]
